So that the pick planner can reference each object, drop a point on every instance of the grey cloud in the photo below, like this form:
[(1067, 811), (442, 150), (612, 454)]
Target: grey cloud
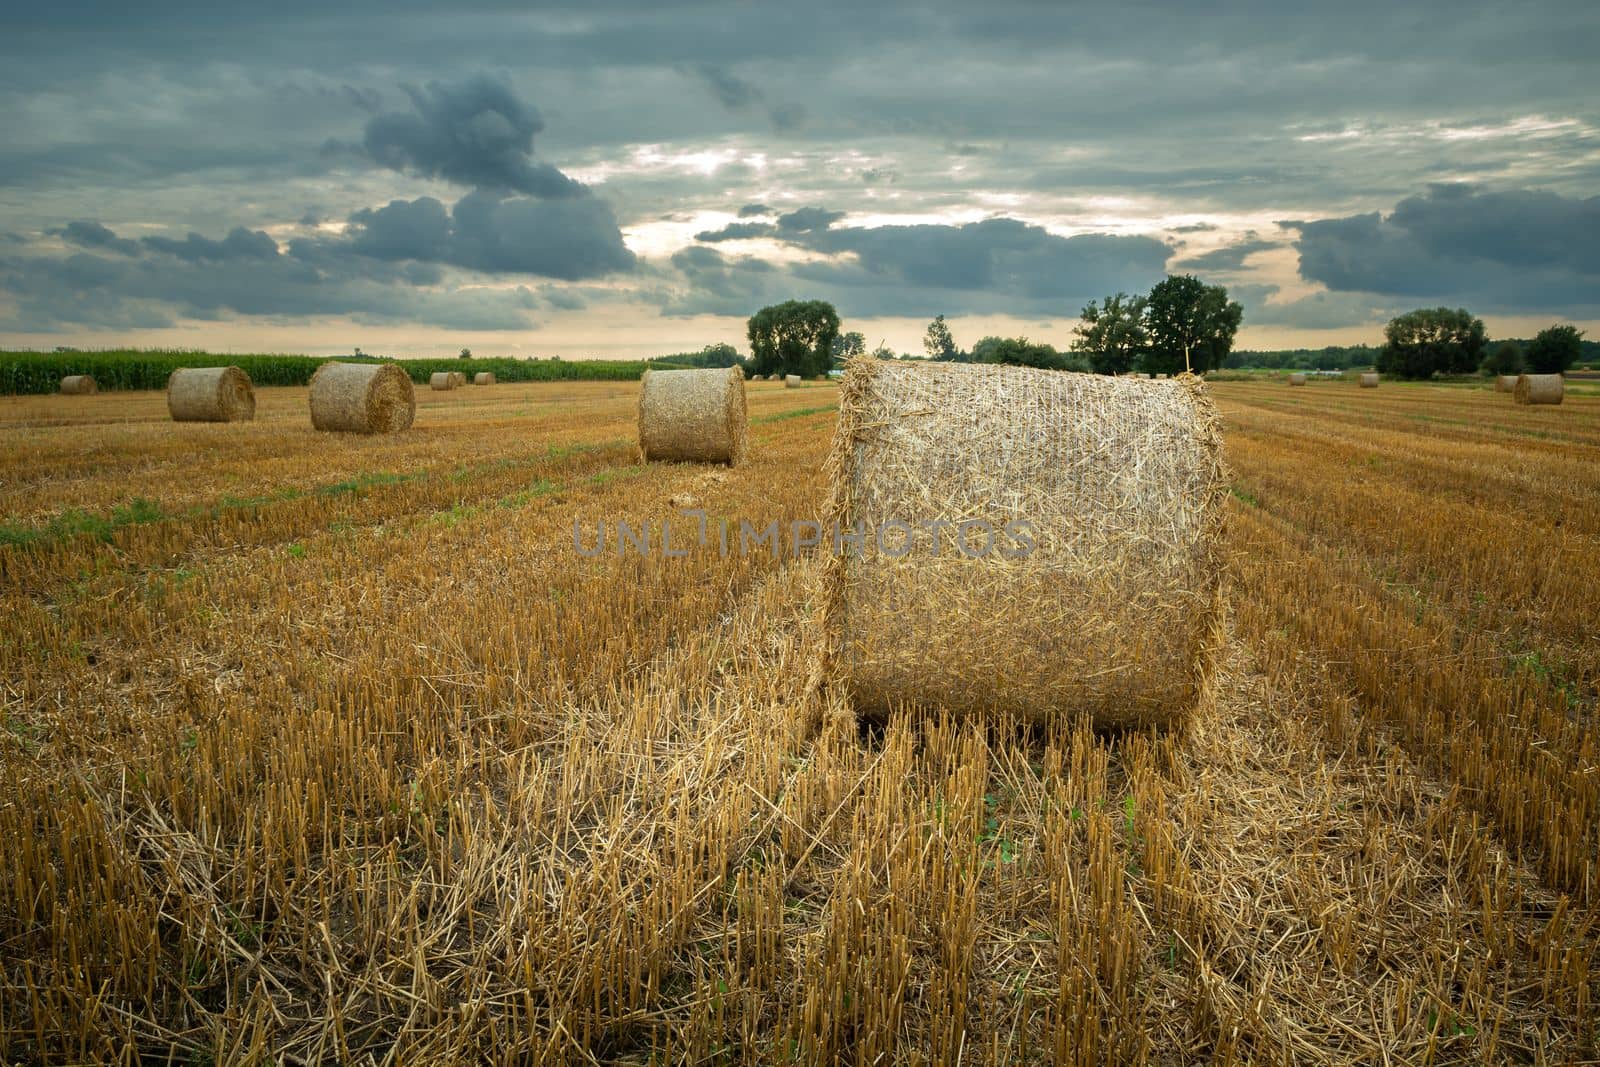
[(1501, 251), (994, 266), (731, 91), (721, 285), (473, 132), (807, 219), (239, 244), (737, 231), (96, 291), (386, 267), (750, 210), (90, 234), (1195, 227), (737, 94), (1231, 257)]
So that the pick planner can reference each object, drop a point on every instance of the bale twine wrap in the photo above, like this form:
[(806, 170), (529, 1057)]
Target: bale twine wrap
[(440, 380), (1369, 379), (694, 415), (1115, 613), (210, 394), (791, 381), (483, 377), (79, 385), (1297, 379), (1506, 383), (1539, 389), (362, 398)]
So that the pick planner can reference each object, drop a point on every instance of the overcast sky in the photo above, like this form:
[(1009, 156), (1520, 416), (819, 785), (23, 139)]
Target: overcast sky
[(630, 177)]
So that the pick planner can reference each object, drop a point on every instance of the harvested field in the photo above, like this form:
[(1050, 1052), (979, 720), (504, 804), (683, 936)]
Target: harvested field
[(335, 747)]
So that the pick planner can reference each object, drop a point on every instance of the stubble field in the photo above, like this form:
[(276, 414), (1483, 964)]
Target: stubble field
[(320, 748)]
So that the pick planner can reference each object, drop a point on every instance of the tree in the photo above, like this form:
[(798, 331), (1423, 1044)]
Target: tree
[(1112, 336), (1429, 341), (1505, 359), (884, 352), (849, 345), (1554, 349), (984, 351), (795, 337), (466, 353), (938, 343), (1190, 325), (1021, 352)]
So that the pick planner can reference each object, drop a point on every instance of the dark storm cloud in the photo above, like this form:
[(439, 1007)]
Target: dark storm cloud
[(1500, 250), (473, 132), (1231, 257), (751, 210)]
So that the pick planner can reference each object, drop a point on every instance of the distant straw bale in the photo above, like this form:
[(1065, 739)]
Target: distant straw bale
[(79, 385), (483, 377), (1369, 380), (1540, 389), (210, 394), (694, 415), (459, 377), (791, 381), (1506, 383), (440, 380), (1035, 543), (1297, 379), (362, 398)]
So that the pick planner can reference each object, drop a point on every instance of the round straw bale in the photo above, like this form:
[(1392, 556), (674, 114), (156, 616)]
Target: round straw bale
[(791, 381), (1539, 389), (1505, 383), (210, 394), (362, 398), (1369, 379), (1034, 543), (1297, 379), (483, 377), (695, 415), (460, 377), (79, 385), (441, 380)]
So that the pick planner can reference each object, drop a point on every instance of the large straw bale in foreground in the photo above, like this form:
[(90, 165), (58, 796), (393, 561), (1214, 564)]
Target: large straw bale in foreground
[(1540, 389), (1119, 484), (362, 398), (440, 380), (483, 377), (210, 394), (1369, 379), (1297, 379), (1506, 383), (695, 415), (79, 385)]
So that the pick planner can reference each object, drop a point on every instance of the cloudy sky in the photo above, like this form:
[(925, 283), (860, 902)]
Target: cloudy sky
[(632, 177)]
